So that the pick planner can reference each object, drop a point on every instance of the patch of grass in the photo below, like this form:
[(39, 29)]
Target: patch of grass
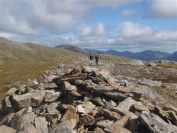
[(166, 93), (166, 65)]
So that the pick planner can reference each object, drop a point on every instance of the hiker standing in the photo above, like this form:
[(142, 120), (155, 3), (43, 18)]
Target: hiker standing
[(91, 60), (96, 59)]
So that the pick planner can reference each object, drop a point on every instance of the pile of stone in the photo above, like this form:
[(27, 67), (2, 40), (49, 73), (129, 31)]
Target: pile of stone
[(83, 100)]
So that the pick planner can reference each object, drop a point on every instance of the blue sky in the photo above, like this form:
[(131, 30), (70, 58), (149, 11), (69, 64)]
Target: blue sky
[(122, 25)]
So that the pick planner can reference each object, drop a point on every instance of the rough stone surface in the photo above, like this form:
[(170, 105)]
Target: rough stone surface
[(11, 92), (52, 96), (6, 129), (51, 109), (123, 120), (7, 105), (116, 128), (103, 123), (29, 99), (136, 63), (148, 92), (89, 100), (103, 74), (70, 112), (139, 107), (99, 89), (20, 119), (127, 103), (111, 114), (155, 124), (149, 82), (28, 128), (41, 124), (63, 127)]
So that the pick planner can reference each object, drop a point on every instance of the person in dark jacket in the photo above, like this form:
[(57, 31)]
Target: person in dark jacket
[(96, 59), (91, 60)]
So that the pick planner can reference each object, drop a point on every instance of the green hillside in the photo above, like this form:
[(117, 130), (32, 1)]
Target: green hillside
[(19, 62)]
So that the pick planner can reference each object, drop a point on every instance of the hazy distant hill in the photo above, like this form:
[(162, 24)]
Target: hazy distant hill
[(173, 56), (76, 49), (28, 52), (147, 55)]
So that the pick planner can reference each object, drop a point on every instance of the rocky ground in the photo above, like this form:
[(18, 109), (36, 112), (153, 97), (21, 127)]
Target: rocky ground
[(117, 96)]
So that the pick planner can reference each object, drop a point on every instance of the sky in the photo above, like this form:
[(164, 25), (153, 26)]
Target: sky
[(122, 25)]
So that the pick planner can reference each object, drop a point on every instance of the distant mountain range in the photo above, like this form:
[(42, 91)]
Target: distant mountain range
[(14, 51), (147, 55)]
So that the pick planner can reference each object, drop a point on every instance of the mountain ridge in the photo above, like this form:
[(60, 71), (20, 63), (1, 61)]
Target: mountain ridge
[(147, 55)]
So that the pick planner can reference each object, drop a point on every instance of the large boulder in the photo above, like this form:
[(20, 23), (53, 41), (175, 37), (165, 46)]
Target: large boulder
[(155, 124), (103, 74), (31, 99), (149, 82), (136, 63)]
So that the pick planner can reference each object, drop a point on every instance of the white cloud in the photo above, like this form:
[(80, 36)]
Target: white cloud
[(84, 30), (100, 30), (111, 40), (88, 30), (66, 6), (37, 39), (29, 17), (113, 3), (42, 21), (131, 37), (131, 30), (56, 16), (162, 9), (129, 12)]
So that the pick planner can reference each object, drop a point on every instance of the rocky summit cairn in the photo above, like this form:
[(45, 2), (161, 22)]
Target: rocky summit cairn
[(83, 100)]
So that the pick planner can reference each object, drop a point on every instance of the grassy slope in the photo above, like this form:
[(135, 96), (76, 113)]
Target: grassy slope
[(20, 65)]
